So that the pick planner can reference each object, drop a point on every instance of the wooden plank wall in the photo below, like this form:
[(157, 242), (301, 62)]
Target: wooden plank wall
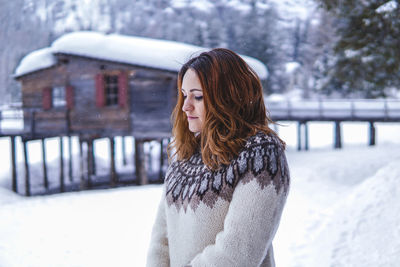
[(152, 101), (151, 98)]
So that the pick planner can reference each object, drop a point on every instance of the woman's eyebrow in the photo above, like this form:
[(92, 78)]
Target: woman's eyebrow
[(192, 90)]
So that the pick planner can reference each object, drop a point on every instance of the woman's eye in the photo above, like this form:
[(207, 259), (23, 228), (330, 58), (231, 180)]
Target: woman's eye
[(198, 98), (184, 96)]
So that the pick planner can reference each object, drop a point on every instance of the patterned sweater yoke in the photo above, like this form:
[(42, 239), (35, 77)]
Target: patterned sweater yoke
[(226, 217)]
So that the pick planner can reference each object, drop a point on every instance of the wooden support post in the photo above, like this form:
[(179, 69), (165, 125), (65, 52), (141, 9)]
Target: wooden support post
[(68, 121), (26, 163), (70, 174), (113, 172), (13, 165), (149, 157), (81, 165), (161, 173), (299, 136), (92, 154), (338, 135), (89, 160), (91, 164), (372, 131), (44, 165), (33, 123), (140, 163), (134, 158), (62, 188), (124, 162), (305, 136)]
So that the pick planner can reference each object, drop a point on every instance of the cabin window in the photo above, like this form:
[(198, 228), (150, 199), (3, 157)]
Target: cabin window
[(111, 89), (58, 96)]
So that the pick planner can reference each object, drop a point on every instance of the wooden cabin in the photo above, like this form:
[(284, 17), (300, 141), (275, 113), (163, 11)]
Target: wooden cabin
[(88, 83), (83, 95)]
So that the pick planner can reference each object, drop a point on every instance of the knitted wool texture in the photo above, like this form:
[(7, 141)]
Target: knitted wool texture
[(222, 218)]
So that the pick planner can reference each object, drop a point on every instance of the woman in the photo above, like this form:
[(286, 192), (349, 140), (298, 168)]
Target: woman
[(228, 181)]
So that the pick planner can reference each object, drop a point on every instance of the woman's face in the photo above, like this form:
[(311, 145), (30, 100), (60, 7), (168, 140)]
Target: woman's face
[(193, 104)]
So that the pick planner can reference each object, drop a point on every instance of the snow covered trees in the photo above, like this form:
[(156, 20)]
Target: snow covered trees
[(274, 31), (367, 54)]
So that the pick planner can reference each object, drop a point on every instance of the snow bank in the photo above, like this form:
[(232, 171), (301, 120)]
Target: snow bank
[(321, 208), (140, 51), (365, 229)]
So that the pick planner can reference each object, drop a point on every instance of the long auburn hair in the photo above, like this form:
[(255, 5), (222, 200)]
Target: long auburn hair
[(234, 108)]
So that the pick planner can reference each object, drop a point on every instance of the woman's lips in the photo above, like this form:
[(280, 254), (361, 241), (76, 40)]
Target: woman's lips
[(191, 118)]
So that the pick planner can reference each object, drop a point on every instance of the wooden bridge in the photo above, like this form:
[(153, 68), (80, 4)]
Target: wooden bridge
[(381, 110), (334, 110)]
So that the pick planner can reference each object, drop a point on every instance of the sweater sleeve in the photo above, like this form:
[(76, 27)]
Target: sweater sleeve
[(252, 220), (158, 253)]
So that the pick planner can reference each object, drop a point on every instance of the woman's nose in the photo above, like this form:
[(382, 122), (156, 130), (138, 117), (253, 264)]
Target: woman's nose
[(187, 106)]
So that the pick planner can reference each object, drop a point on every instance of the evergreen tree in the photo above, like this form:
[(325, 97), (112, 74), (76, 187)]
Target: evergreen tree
[(367, 61)]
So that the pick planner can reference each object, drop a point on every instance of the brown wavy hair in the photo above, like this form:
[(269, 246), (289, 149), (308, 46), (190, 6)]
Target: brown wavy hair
[(234, 108)]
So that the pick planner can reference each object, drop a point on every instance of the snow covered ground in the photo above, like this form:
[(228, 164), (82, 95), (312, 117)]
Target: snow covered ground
[(343, 210)]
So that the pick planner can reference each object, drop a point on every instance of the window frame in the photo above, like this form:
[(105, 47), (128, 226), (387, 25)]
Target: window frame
[(111, 89), (58, 96)]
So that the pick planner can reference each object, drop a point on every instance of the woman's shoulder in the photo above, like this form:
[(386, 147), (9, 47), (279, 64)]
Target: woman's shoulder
[(263, 158), (263, 139)]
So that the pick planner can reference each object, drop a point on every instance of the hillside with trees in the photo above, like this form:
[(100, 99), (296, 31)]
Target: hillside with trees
[(338, 50)]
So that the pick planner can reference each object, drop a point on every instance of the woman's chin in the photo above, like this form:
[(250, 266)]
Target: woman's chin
[(194, 129)]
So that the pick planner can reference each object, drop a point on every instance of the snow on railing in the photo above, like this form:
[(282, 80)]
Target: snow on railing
[(335, 108), (11, 119)]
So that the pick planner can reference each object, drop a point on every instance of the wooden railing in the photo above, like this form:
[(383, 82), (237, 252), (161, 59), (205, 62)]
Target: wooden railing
[(335, 109)]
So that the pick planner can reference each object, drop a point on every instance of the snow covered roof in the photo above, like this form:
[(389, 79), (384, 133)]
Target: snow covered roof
[(153, 53), (36, 60)]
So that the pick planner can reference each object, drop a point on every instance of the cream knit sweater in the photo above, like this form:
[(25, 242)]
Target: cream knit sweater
[(224, 218)]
